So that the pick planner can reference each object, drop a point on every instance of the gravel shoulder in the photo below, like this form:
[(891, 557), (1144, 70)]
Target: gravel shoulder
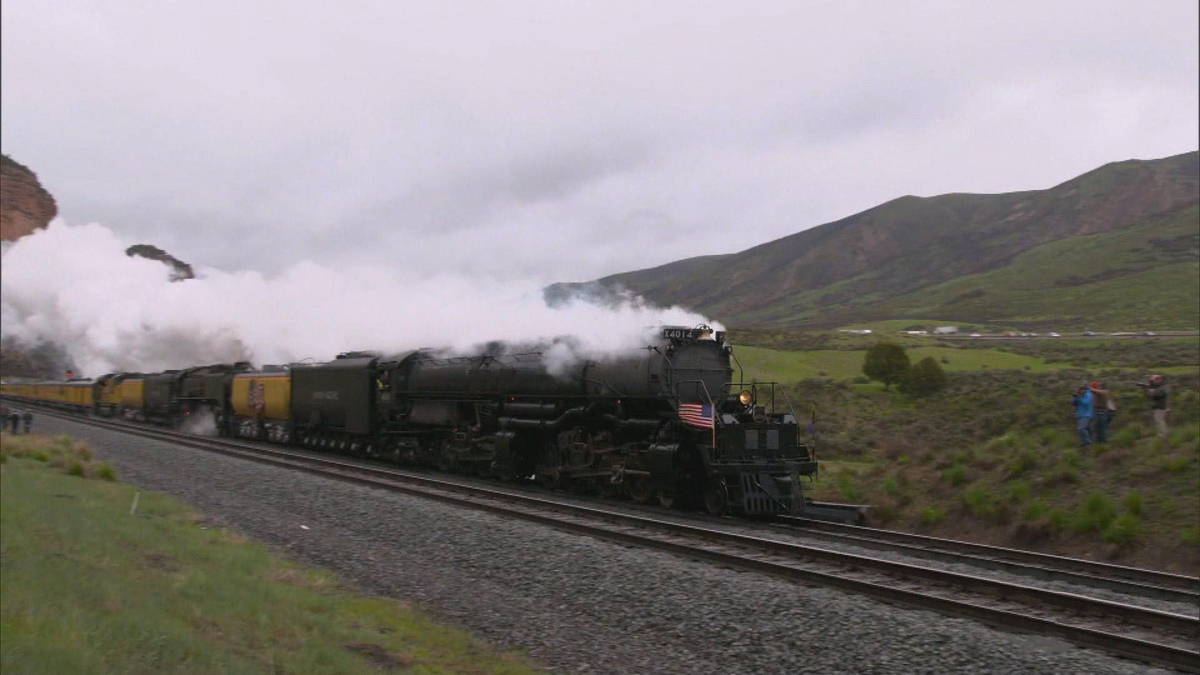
[(573, 603)]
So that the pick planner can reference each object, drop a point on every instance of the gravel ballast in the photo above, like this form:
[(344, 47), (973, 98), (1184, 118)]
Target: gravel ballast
[(573, 603)]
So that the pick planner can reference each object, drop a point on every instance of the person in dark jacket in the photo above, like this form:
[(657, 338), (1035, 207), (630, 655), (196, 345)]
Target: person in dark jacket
[(14, 420), (28, 417), (1082, 400), (1102, 411), (1158, 394)]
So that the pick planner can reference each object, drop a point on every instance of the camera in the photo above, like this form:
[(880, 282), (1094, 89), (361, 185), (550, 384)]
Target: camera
[(1144, 384)]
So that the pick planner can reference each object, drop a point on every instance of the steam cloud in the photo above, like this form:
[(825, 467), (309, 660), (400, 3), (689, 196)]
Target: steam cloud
[(74, 285)]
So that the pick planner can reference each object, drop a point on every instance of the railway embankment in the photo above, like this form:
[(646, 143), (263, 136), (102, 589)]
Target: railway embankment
[(995, 458), (574, 602), (100, 576)]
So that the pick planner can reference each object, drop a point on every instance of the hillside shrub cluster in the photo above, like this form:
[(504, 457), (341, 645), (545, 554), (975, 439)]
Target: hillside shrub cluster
[(888, 363), (996, 452)]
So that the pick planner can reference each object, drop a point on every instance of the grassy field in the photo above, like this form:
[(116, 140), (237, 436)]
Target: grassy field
[(99, 578)]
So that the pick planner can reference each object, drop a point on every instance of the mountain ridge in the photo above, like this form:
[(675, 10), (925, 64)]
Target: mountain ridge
[(849, 269)]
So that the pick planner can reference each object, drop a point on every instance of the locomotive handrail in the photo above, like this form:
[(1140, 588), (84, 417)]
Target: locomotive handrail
[(741, 373)]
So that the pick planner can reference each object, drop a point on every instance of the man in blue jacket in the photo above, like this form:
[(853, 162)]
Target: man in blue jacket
[(1082, 400)]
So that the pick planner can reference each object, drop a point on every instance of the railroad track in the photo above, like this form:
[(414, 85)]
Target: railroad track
[(1128, 630), (1132, 581)]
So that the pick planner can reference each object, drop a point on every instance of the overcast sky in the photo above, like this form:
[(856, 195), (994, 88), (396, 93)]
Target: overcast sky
[(558, 141)]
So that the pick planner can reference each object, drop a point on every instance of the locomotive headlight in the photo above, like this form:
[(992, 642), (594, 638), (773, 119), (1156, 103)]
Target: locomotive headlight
[(745, 397)]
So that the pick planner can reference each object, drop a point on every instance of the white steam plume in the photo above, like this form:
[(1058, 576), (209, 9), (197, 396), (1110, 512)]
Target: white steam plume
[(75, 286)]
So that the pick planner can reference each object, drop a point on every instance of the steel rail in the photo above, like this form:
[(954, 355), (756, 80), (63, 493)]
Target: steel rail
[(1133, 580), (759, 554)]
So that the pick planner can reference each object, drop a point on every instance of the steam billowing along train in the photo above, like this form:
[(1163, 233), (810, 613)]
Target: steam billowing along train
[(665, 422)]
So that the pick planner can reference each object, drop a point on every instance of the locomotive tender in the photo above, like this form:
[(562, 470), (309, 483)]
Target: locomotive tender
[(666, 421)]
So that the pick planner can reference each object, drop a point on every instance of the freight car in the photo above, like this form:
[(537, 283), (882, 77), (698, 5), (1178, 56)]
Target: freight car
[(667, 421)]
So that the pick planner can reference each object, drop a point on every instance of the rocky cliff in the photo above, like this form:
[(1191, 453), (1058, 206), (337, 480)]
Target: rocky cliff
[(25, 205)]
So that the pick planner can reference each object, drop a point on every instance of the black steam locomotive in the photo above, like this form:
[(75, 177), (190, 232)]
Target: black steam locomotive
[(667, 422)]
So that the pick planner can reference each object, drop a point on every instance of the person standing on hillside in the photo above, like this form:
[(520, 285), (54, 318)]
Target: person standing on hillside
[(1158, 393), (1103, 409), (1082, 400)]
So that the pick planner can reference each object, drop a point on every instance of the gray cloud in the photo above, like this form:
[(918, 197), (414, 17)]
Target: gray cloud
[(551, 141)]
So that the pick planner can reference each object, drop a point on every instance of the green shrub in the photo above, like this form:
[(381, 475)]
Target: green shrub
[(1183, 436), (924, 378), (1122, 530), (1019, 491), (980, 502), (891, 487), (1173, 464), (1034, 510), (931, 515), (1133, 502), (1058, 519), (955, 475), (1190, 535), (83, 451), (1095, 514), (1129, 435), (1047, 435), (1026, 460), (76, 468), (104, 471), (848, 488), (39, 455), (1005, 442), (1071, 458)]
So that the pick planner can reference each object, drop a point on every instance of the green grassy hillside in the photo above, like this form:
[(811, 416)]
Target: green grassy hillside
[(994, 458), (1112, 248)]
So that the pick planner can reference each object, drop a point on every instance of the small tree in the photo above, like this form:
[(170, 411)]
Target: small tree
[(924, 378), (887, 363)]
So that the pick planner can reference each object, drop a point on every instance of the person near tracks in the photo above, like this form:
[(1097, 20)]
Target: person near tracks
[(1157, 391), (1083, 402), (1103, 410), (28, 418), (14, 421)]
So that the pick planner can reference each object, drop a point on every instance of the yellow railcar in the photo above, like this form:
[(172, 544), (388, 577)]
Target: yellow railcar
[(262, 405), (132, 396), (78, 394), (265, 396)]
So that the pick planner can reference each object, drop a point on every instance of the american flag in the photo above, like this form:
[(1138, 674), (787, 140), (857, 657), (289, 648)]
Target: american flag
[(697, 414)]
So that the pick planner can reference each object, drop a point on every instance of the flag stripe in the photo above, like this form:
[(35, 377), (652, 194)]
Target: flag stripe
[(697, 414)]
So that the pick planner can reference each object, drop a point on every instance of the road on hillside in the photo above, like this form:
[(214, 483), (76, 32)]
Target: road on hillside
[(1158, 335)]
